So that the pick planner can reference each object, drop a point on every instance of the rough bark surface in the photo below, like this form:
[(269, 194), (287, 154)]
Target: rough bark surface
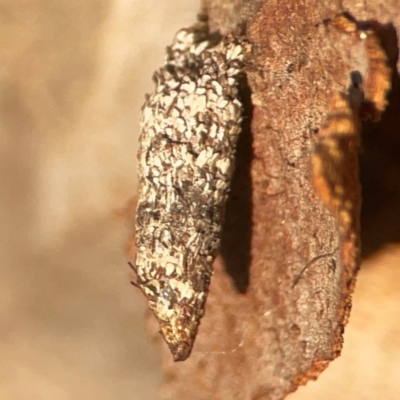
[(281, 292)]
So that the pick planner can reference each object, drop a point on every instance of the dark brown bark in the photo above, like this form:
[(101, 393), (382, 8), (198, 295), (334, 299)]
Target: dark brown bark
[(281, 293)]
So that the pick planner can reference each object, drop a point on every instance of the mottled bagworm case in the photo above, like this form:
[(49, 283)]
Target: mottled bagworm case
[(190, 126)]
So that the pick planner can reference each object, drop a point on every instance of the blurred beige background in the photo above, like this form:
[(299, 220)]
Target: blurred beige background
[(72, 80), (73, 75)]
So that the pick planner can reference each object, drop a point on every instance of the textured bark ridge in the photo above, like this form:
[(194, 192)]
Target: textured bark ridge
[(281, 291)]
